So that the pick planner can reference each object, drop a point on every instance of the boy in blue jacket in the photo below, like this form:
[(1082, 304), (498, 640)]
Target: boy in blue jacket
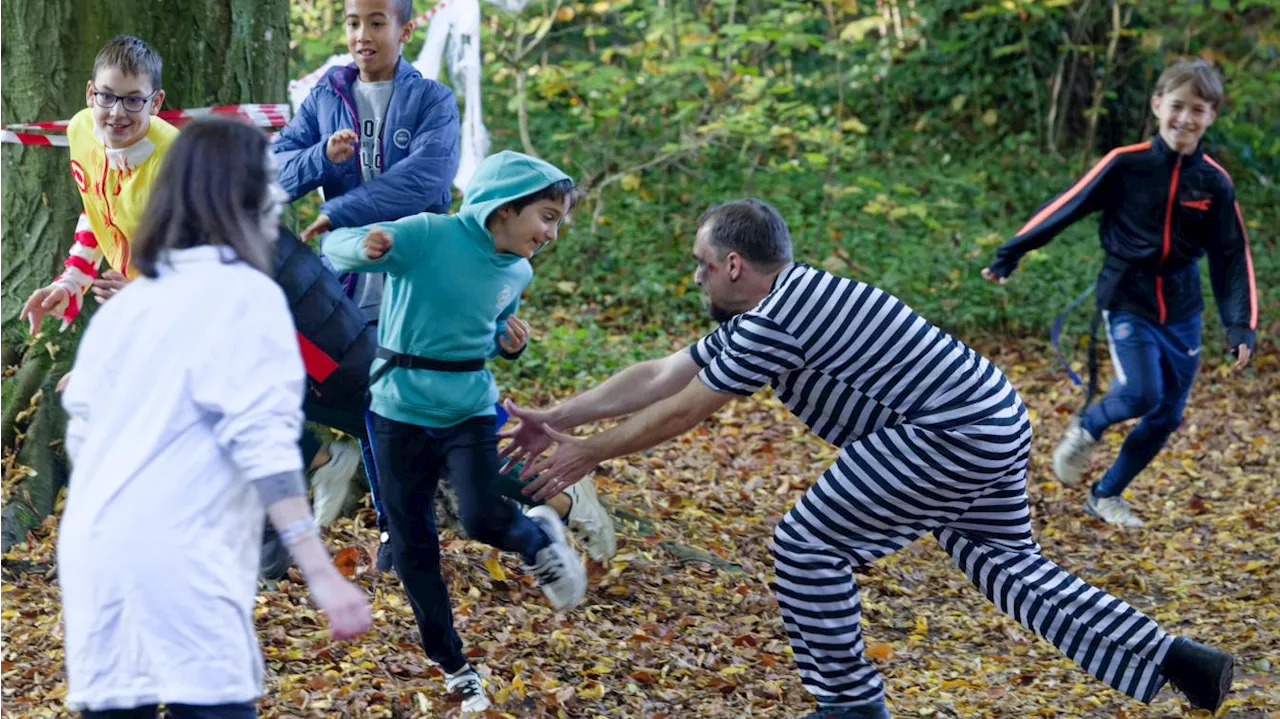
[(453, 287), (1164, 204), (379, 139), (381, 143)]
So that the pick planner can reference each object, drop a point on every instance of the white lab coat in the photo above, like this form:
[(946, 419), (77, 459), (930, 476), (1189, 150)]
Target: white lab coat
[(185, 389)]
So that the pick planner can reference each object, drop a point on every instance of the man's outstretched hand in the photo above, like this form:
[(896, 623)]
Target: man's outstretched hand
[(551, 475), (528, 438)]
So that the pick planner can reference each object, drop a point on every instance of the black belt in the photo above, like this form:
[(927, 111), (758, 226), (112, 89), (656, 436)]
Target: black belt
[(407, 361)]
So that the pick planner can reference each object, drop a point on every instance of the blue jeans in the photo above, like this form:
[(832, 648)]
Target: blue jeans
[(246, 710), (371, 470), (410, 460), (1155, 366)]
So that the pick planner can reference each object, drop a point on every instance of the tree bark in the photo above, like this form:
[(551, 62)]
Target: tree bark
[(215, 52)]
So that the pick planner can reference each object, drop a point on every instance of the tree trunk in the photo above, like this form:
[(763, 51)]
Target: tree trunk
[(215, 52)]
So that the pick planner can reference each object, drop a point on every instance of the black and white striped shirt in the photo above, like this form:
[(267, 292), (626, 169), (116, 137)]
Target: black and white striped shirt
[(849, 359)]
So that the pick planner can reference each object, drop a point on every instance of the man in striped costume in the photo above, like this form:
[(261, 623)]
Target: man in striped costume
[(933, 438)]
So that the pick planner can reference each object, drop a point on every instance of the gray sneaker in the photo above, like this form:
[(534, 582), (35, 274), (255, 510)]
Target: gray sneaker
[(1072, 454), (1112, 510), (332, 482), (557, 567), (590, 522)]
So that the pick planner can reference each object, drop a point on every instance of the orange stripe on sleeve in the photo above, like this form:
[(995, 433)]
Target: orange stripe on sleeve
[(1077, 188), (1248, 257), (1221, 169), (1248, 268)]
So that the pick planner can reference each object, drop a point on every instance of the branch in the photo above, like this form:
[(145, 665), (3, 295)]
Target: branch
[(516, 61), (1051, 123), (522, 114), (543, 29), (596, 190), (1117, 25), (1031, 77), (1077, 34)]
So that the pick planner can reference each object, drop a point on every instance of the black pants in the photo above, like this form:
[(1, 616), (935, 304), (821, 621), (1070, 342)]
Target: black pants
[(247, 710), (410, 460)]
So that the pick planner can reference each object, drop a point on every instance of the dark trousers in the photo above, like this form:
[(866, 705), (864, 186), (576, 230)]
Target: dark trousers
[(508, 484), (247, 710), (1155, 367), (409, 461)]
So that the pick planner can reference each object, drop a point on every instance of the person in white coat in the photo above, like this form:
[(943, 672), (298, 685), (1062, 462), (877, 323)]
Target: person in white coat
[(185, 409)]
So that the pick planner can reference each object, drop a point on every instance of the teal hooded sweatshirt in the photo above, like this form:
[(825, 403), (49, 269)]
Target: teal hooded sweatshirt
[(448, 294)]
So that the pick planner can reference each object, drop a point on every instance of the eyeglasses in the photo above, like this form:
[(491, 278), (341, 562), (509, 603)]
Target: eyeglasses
[(132, 103)]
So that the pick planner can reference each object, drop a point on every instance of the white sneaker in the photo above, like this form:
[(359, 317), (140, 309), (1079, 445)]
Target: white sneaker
[(1112, 510), (557, 568), (467, 683), (1072, 454), (332, 481), (590, 522)]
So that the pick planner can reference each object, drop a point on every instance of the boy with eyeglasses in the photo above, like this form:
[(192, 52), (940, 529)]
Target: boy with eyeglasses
[(117, 144)]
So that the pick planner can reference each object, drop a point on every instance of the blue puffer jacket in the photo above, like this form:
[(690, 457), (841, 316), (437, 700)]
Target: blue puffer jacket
[(337, 343), (419, 150)]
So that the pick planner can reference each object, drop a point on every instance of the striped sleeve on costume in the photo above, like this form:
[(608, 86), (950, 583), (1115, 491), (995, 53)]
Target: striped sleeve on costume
[(747, 354), (709, 346), (81, 269)]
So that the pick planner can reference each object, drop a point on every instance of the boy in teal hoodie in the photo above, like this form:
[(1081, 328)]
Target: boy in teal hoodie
[(452, 290)]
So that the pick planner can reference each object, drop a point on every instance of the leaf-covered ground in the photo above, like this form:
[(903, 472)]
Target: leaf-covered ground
[(683, 623)]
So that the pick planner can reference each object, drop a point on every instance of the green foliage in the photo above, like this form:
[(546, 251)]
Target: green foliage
[(903, 142)]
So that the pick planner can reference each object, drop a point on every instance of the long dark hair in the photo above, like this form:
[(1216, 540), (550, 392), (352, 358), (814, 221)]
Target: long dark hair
[(211, 190)]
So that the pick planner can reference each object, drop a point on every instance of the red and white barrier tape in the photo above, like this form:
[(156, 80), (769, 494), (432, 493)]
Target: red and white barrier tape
[(270, 115), (31, 138)]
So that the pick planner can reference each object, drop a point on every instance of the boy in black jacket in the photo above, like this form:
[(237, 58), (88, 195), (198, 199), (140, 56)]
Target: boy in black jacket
[(1164, 203)]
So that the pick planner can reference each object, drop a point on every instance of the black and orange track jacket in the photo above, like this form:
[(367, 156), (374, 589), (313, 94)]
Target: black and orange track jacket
[(1160, 212)]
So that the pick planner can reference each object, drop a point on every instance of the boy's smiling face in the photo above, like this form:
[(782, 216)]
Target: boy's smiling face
[(531, 229), (118, 127), (374, 37), (1183, 116)]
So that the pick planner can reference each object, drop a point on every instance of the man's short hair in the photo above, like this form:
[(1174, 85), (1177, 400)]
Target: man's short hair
[(752, 228)]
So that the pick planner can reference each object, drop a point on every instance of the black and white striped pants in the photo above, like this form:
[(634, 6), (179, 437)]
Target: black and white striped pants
[(967, 486)]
